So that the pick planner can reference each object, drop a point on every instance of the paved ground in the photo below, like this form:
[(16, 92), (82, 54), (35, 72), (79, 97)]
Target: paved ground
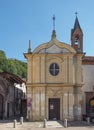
[(50, 125)]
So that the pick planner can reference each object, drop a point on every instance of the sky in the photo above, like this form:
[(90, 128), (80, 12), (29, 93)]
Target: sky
[(24, 20)]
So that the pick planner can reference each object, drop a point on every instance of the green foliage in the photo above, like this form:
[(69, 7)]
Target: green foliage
[(2, 55), (14, 66)]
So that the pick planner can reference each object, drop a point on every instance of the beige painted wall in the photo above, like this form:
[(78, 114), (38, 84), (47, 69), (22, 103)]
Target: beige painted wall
[(66, 86)]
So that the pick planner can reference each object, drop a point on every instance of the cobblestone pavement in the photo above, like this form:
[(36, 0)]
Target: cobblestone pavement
[(75, 125)]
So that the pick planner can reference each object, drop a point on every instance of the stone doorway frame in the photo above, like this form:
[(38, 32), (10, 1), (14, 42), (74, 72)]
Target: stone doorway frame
[(54, 108)]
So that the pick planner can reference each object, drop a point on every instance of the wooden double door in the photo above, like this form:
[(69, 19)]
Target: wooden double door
[(54, 109)]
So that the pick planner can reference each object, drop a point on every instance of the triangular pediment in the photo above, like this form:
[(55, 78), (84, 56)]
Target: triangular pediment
[(54, 47)]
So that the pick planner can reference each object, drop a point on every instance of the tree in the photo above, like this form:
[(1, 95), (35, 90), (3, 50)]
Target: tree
[(14, 66), (2, 55)]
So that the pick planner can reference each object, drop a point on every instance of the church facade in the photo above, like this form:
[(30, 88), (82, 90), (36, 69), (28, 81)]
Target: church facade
[(54, 80)]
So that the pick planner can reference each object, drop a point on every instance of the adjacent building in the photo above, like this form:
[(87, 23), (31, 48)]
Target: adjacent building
[(88, 87), (12, 96)]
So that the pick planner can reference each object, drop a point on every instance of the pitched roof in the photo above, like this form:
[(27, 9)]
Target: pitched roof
[(12, 77), (88, 60), (76, 25)]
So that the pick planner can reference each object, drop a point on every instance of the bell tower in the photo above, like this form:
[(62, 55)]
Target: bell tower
[(77, 36)]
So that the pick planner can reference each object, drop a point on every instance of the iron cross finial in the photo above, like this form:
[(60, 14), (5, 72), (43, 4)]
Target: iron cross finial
[(76, 13), (53, 22)]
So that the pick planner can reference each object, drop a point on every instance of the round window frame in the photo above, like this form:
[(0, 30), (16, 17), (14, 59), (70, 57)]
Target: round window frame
[(54, 69)]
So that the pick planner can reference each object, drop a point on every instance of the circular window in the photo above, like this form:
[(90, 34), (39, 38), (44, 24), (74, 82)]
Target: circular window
[(54, 69)]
